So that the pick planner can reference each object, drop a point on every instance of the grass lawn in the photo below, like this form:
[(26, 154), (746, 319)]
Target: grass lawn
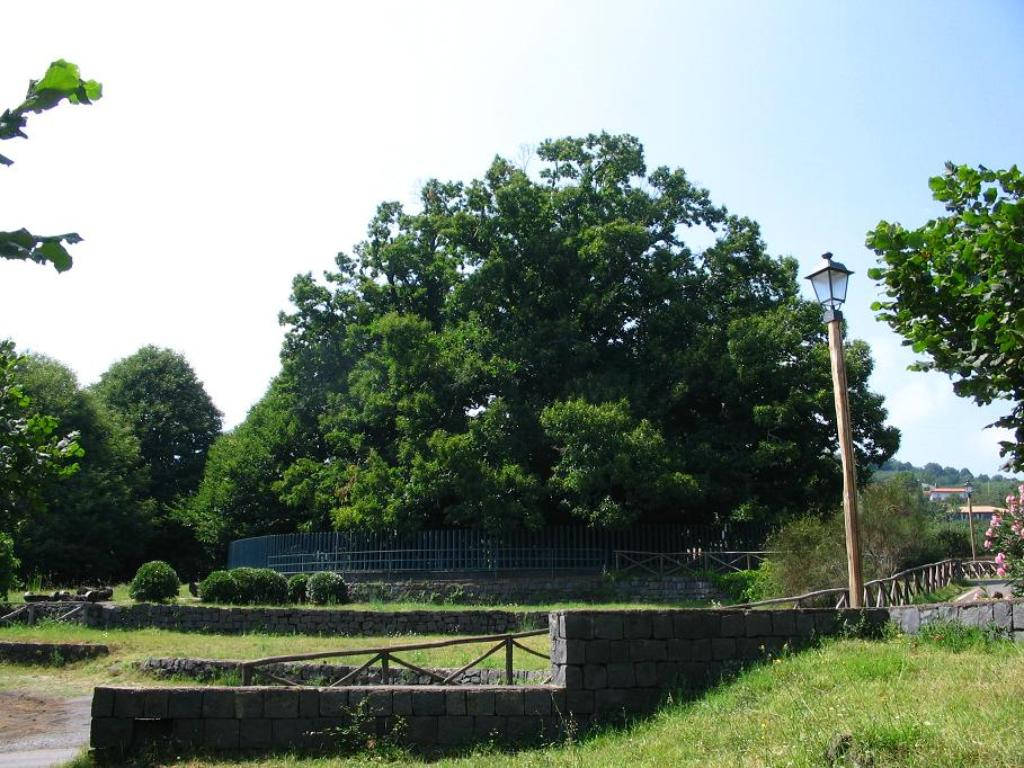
[(901, 702), (127, 646)]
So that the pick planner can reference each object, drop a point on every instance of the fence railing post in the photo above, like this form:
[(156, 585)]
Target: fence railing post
[(508, 660)]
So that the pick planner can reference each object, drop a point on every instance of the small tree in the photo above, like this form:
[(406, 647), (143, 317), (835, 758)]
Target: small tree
[(953, 289), (155, 581)]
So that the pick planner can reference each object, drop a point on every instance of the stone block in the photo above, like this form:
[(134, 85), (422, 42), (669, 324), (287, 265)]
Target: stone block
[(536, 702), (597, 651), (128, 703), (636, 625), (455, 703), (645, 673), (572, 676), (1002, 615), (826, 622), (666, 674), (508, 702), (619, 649), (488, 727), (610, 700), (620, 675), (309, 703), (188, 731), (577, 626), (219, 703), (248, 704), (110, 732), (220, 733), (700, 650), (661, 626), (750, 648), (454, 730), (558, 650), (759, 623), (678, 650), (1018, 615), (255, 733), (278, 705), (102, 702), (333, 702), (595, 676), (804, 623), (284, 732), (783, 623), (479, 702), (184, 703), (733, 624), (521, 729), (723, 648), (687, 625), (154, 704), (378, 702), (427, 702), (421, 729), (607, 626), (579, 702)]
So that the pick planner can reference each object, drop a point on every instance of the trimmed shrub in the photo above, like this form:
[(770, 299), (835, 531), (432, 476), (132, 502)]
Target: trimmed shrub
[(326, 588), (155, 581), (297, 588), (259, 586), (219, 587)]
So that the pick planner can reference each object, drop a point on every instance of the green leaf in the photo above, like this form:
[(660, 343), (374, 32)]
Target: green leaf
[(56, 254), (61, 76)]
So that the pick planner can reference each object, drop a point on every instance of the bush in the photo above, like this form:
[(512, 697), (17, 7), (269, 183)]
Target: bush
[(244, 586), (326, 588), (762, 583), (297, 588), (155, 581), (261, 586), (8, 565), (219, 587)]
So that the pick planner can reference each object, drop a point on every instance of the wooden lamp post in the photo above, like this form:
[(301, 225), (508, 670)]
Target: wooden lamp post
[(969, 490), (830, 282)]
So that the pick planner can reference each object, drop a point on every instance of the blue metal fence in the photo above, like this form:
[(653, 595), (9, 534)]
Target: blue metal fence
[(552, 548)]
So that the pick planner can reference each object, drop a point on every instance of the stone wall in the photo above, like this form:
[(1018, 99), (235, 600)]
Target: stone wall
[(257, 718), (536, 588), (309, 621), (321, 674), (611, 662), (50, 653), (604, 664), (1004, 615)]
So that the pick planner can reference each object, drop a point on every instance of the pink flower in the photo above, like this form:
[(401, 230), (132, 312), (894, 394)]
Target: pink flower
[(989, 533), (987, 544), (1000, 571), (1000, 558)]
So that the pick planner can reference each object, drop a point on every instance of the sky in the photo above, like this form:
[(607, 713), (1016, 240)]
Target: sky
[(241, 143)]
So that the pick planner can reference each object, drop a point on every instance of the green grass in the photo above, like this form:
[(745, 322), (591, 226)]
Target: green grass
[(946, 594), (902, 702), (128, 646)]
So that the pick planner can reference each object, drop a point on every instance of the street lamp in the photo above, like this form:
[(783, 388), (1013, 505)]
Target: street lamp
[(829, 282), (969, 490)]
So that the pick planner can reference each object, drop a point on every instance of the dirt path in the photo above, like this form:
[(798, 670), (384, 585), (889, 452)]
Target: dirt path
[(38, 731)]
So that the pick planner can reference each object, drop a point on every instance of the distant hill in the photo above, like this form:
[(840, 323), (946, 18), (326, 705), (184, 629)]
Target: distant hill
[(988, 489)]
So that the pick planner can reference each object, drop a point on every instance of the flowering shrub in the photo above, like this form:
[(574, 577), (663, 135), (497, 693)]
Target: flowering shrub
[(1005, 537)]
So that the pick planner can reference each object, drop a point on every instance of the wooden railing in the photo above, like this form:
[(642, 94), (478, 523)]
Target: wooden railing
[(898, 589), (386, 656), (693, 562)]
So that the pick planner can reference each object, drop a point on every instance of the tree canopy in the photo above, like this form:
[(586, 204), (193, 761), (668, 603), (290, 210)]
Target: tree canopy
[(94, 525), (955, 289), (528, 349), (168, 410)]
